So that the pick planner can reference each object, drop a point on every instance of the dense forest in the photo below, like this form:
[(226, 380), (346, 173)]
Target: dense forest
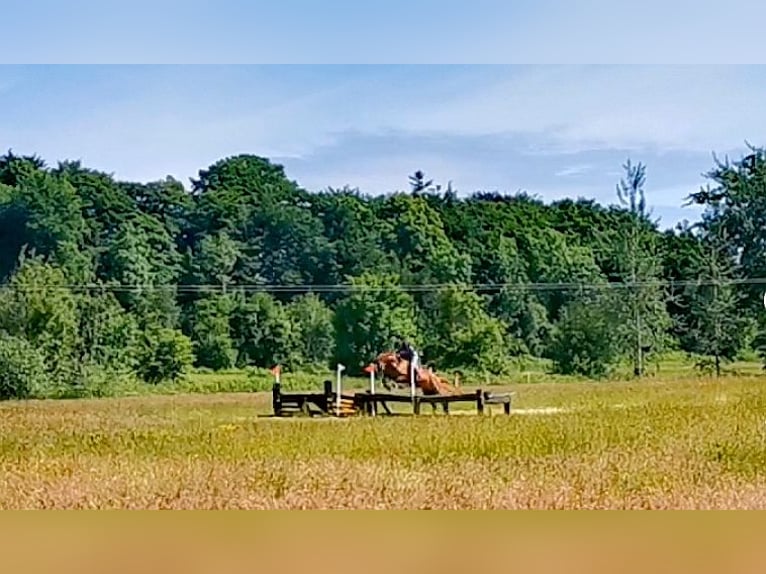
[(104, 278)]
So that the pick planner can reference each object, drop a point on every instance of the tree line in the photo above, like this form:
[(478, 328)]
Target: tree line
[(104, 278)]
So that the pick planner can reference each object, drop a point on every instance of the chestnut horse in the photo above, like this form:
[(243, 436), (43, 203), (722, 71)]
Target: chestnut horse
[(398, 370)]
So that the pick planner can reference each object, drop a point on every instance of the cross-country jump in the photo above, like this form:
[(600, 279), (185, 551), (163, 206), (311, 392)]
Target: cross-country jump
[(395, 366)]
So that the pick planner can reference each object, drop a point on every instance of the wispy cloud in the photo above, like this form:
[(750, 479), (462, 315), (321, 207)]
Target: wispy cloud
[(573, 170), (554, 111), (594, 107), (552, 131)]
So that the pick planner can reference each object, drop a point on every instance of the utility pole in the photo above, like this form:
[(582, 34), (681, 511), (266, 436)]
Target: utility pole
[(638, 369)]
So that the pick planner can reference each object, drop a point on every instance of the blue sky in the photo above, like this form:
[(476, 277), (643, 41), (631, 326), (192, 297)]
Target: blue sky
[(553, 131), (381, 31)]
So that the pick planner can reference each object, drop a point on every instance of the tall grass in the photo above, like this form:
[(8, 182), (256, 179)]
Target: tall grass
[(661, 444)]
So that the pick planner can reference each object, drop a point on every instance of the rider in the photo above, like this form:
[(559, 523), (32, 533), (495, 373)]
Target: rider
[(407, 351)]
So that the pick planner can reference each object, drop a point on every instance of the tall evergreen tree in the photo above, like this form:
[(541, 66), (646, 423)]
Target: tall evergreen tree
[(716, 327), (646, 317)]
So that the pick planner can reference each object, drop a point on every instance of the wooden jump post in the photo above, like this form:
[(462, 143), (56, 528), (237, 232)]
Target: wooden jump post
[(372, 406), (338, 375), (276, 390), (284, 404)]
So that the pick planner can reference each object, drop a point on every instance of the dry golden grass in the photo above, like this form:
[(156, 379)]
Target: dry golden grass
[(672, 444)]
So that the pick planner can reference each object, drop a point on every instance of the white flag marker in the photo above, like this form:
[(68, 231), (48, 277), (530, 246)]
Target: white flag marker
[(341, 368)]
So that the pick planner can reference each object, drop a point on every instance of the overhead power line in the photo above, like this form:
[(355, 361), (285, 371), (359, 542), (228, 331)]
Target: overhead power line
[(349, 288)]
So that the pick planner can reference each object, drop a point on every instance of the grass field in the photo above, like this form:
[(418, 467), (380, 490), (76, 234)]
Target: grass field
[(672, 443), (673, 365)]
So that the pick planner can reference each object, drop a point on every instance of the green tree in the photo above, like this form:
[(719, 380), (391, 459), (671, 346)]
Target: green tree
[(289, 248), (520, 309), (215, 261), (165, 200), (464, 335), (584, 341), (22, 369), (371, 317), (104, 205), (646, 319), (143, 265), (314, 329), (350, 224), (39, 307), (262, 331), (167, 355), (14, 168), (737, 205), (683, 249), (716, 327), (281, 242), (108, 338), (555, 260), (414, 232), (211, 332), (419, 183), (43, 212)]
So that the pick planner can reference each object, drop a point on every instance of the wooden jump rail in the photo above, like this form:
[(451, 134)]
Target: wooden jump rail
[(326, 402), (480, 398)]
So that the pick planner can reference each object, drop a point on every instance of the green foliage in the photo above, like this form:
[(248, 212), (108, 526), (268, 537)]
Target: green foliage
[(104, 204), (211, 332), (45, 212), (464, 335), (38, 306), (522, 311), (312, 323), (371, 318), (351, 226), (584, 340), (555, 259), (735, 207), (141, 255), (167, 356), (415, 233), (262, 331), (22, 369), (215, 261), (109, 337), (109, 280), (645, 322), (682, 249), (715, 327), (736, 204)]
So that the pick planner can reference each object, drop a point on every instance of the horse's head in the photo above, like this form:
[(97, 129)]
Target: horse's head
[(387, 363), (388, 366), (382, 360)]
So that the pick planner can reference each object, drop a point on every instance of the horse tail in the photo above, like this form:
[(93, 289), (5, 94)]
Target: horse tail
[(448, 387)]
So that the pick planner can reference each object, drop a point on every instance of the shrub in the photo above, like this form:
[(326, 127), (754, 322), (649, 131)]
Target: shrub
[(168, 355), (584, 340), (313, 328), (211, 333), (22, 369)]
